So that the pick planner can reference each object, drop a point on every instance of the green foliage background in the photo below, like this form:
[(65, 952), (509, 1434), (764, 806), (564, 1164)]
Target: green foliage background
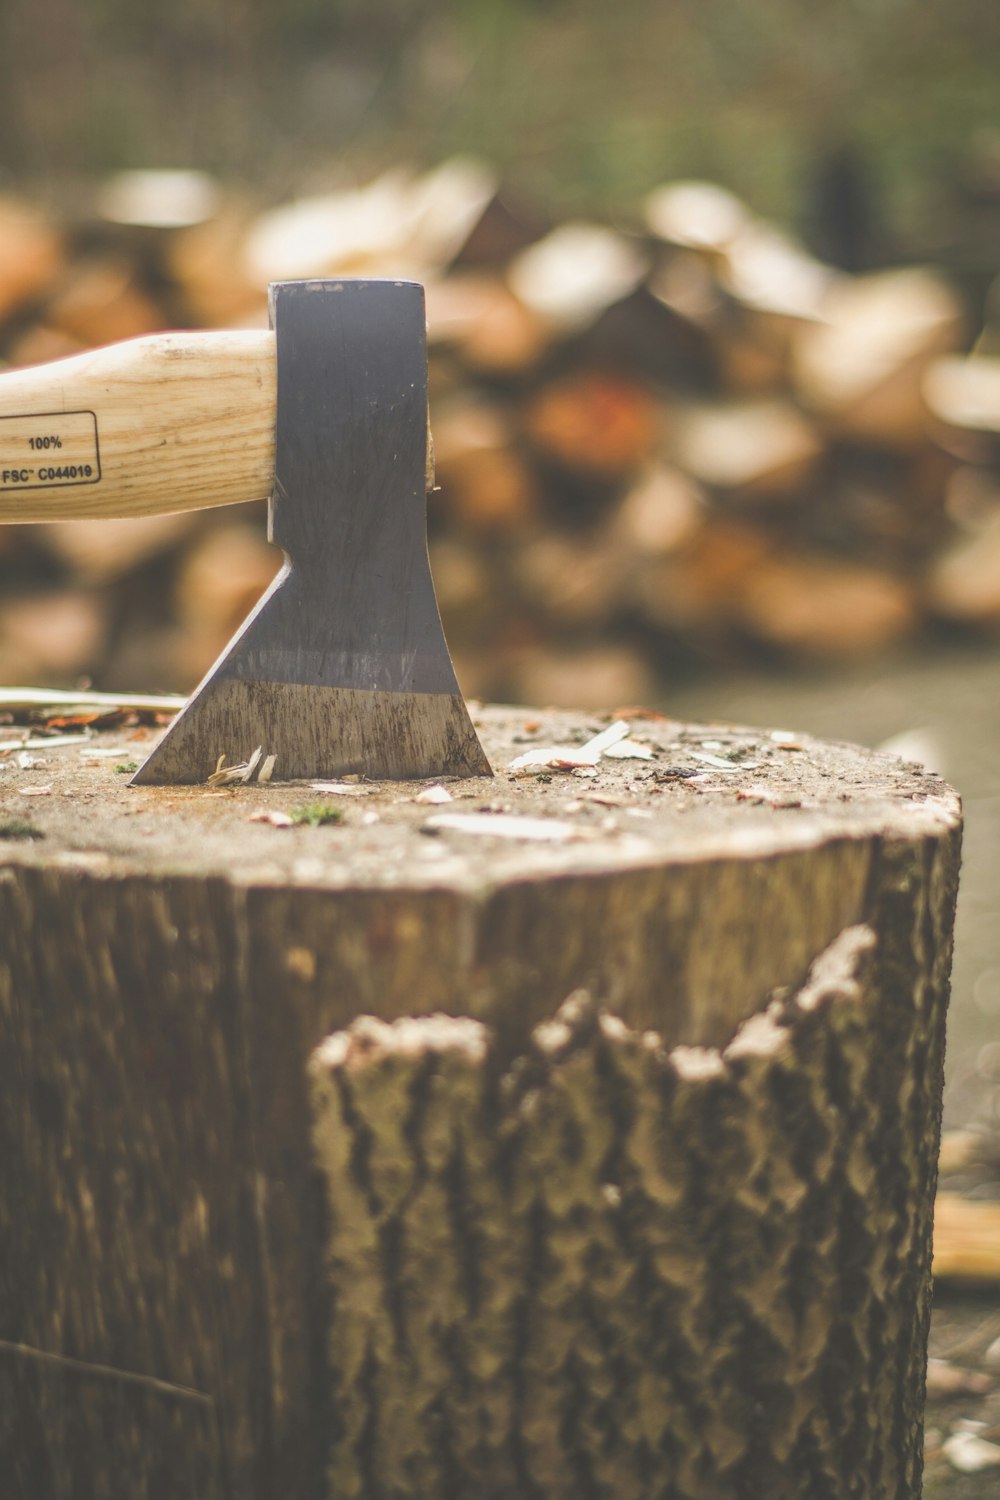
[(582, 103)]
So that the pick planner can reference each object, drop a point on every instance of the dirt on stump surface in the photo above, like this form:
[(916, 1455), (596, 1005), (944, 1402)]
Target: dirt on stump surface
[(686, 789)]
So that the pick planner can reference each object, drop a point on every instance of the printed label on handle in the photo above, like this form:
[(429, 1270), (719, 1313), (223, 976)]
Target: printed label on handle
[(49, 450)]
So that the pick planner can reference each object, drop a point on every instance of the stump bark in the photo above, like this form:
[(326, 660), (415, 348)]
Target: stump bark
[(591, 1157)]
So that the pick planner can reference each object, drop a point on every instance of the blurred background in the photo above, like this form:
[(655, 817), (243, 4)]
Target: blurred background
[(714, 338)]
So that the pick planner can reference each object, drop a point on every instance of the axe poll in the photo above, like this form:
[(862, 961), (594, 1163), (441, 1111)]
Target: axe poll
[(343, 665)]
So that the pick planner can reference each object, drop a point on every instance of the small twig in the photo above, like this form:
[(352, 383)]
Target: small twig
[(108, 1372), (42, 698), (240, 775)]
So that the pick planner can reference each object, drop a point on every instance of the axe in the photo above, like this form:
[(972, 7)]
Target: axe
[(343, 666)]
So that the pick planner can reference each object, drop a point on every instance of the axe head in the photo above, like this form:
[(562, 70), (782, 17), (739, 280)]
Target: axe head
[(343, 665)]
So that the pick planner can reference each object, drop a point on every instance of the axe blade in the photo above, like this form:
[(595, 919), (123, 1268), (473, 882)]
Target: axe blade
[(343, 665)]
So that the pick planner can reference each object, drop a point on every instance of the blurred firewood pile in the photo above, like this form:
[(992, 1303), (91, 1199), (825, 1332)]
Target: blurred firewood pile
[(680, 444)]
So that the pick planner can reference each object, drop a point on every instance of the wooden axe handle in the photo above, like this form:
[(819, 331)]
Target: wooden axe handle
[(173, 421)]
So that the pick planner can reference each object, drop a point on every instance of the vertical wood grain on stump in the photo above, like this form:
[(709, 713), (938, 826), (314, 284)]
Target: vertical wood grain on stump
[(667, 1237)]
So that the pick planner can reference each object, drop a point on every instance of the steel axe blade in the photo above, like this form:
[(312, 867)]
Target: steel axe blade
[(343, 666)]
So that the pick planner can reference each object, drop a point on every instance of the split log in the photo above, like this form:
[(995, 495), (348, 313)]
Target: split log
[(573, 275), (966, 1239), (58, 634), (32, 254), (965, 393), (101, 302), (964, 582), (592, 673), (745, 448), (598, 425), (159, 202), (224, 575), (484, 483), (672, 1237), (571, 369), (102, 551), (698, 590), (480, 316), (819, 607), (696, 215), (572, 582), (205, 264), (863, 367)]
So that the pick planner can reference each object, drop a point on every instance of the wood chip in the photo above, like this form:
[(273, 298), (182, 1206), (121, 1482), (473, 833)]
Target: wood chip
[(613, 735), (959, 1149), (267, 770), (964, 582), (252, 764), (862, 367), (36, 791), (552, 758), (272, 816), (629, 750), (434, 795), (719, 764), (571, 757), (158, 199)]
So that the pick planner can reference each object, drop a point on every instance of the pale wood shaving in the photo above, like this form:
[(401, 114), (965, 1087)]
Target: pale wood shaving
[(572, 757), (435, 795), (16, 698)]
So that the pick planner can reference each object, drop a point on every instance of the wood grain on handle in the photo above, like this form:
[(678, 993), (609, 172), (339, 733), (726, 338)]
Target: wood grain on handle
[(170, 422)]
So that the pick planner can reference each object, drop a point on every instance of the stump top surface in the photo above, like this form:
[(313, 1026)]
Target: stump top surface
[(709, 791)]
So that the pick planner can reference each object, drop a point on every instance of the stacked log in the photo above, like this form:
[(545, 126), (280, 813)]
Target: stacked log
[(681, 442)]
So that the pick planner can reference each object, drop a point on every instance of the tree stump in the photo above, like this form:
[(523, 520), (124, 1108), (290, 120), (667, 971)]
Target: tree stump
[(427, 1156)]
